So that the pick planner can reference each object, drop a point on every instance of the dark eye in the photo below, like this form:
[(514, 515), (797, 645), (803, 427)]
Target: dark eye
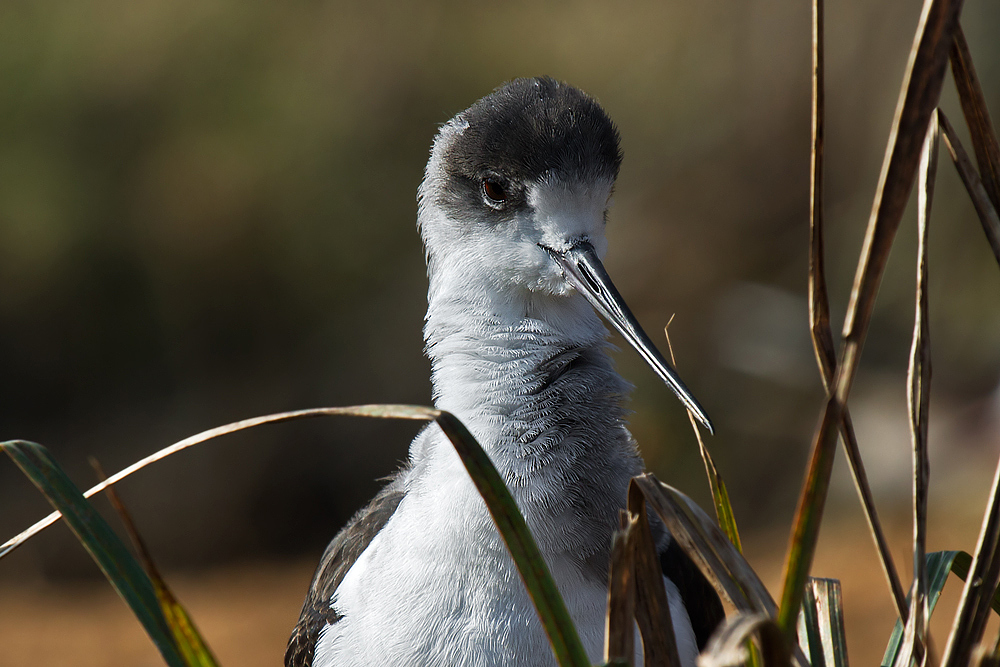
[(494, 190)]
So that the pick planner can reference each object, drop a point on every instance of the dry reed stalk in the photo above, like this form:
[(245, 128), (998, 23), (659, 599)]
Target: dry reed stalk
[(619, 631), (977, 192), (918, 396), (652, 610), (819, 315), (970, 619), (977, 116), (918, 99)]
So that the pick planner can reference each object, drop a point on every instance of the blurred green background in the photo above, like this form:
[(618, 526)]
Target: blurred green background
[(207, 213)]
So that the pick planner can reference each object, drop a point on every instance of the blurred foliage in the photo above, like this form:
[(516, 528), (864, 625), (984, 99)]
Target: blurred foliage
[(206, 213)]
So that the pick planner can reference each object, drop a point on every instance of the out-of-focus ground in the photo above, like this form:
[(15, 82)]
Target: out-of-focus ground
[(207, 213), (246, 612)]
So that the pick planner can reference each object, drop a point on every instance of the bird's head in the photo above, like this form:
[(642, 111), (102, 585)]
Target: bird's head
[(524, 172), (515, 200)]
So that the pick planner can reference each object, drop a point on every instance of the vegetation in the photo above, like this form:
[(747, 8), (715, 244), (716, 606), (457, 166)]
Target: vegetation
[(807, 625)]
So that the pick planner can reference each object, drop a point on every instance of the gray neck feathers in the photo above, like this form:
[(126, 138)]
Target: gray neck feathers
[(531, 377)]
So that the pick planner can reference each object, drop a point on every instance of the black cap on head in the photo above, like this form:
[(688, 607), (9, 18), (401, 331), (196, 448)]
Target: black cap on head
[(524, 130)]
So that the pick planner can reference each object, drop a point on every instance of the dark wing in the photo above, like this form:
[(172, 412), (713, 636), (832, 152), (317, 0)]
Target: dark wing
[(700, 599), (338, 558)]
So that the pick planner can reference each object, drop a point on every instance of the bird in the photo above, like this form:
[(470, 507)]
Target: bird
[(512, 212)]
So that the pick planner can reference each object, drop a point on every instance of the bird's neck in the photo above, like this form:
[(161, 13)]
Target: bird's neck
[(527, 372), (531, 378)]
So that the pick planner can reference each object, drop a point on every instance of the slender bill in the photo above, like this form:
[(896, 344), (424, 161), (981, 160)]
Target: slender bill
[(585, 272)]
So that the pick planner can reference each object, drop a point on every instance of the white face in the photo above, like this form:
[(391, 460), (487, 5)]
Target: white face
[(508, 253), (501, 243), (564, 214)]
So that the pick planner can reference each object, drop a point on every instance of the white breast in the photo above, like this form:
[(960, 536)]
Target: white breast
[(437, 586)]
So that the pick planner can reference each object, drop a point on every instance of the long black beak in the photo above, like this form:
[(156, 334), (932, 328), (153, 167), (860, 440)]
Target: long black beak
[(585, 272)]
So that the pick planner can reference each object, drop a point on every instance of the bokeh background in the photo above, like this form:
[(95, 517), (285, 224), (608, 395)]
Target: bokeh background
[(207, 213)]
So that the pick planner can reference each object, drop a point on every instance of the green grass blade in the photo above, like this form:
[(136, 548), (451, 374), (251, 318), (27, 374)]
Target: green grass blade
[(724, 512), (720, 496), (111, 556), (189, 641), (538, 580), (939, 565), (810, 640), (825, 598), (187, 638), (551, 608), (960, 566)]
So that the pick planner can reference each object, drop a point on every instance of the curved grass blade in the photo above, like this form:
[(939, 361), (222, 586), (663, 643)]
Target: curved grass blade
[(373, 411), (542, 589), (728, 645), (711, 551), (111, 556), (188, 640), (707, 546), (548, 602)]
